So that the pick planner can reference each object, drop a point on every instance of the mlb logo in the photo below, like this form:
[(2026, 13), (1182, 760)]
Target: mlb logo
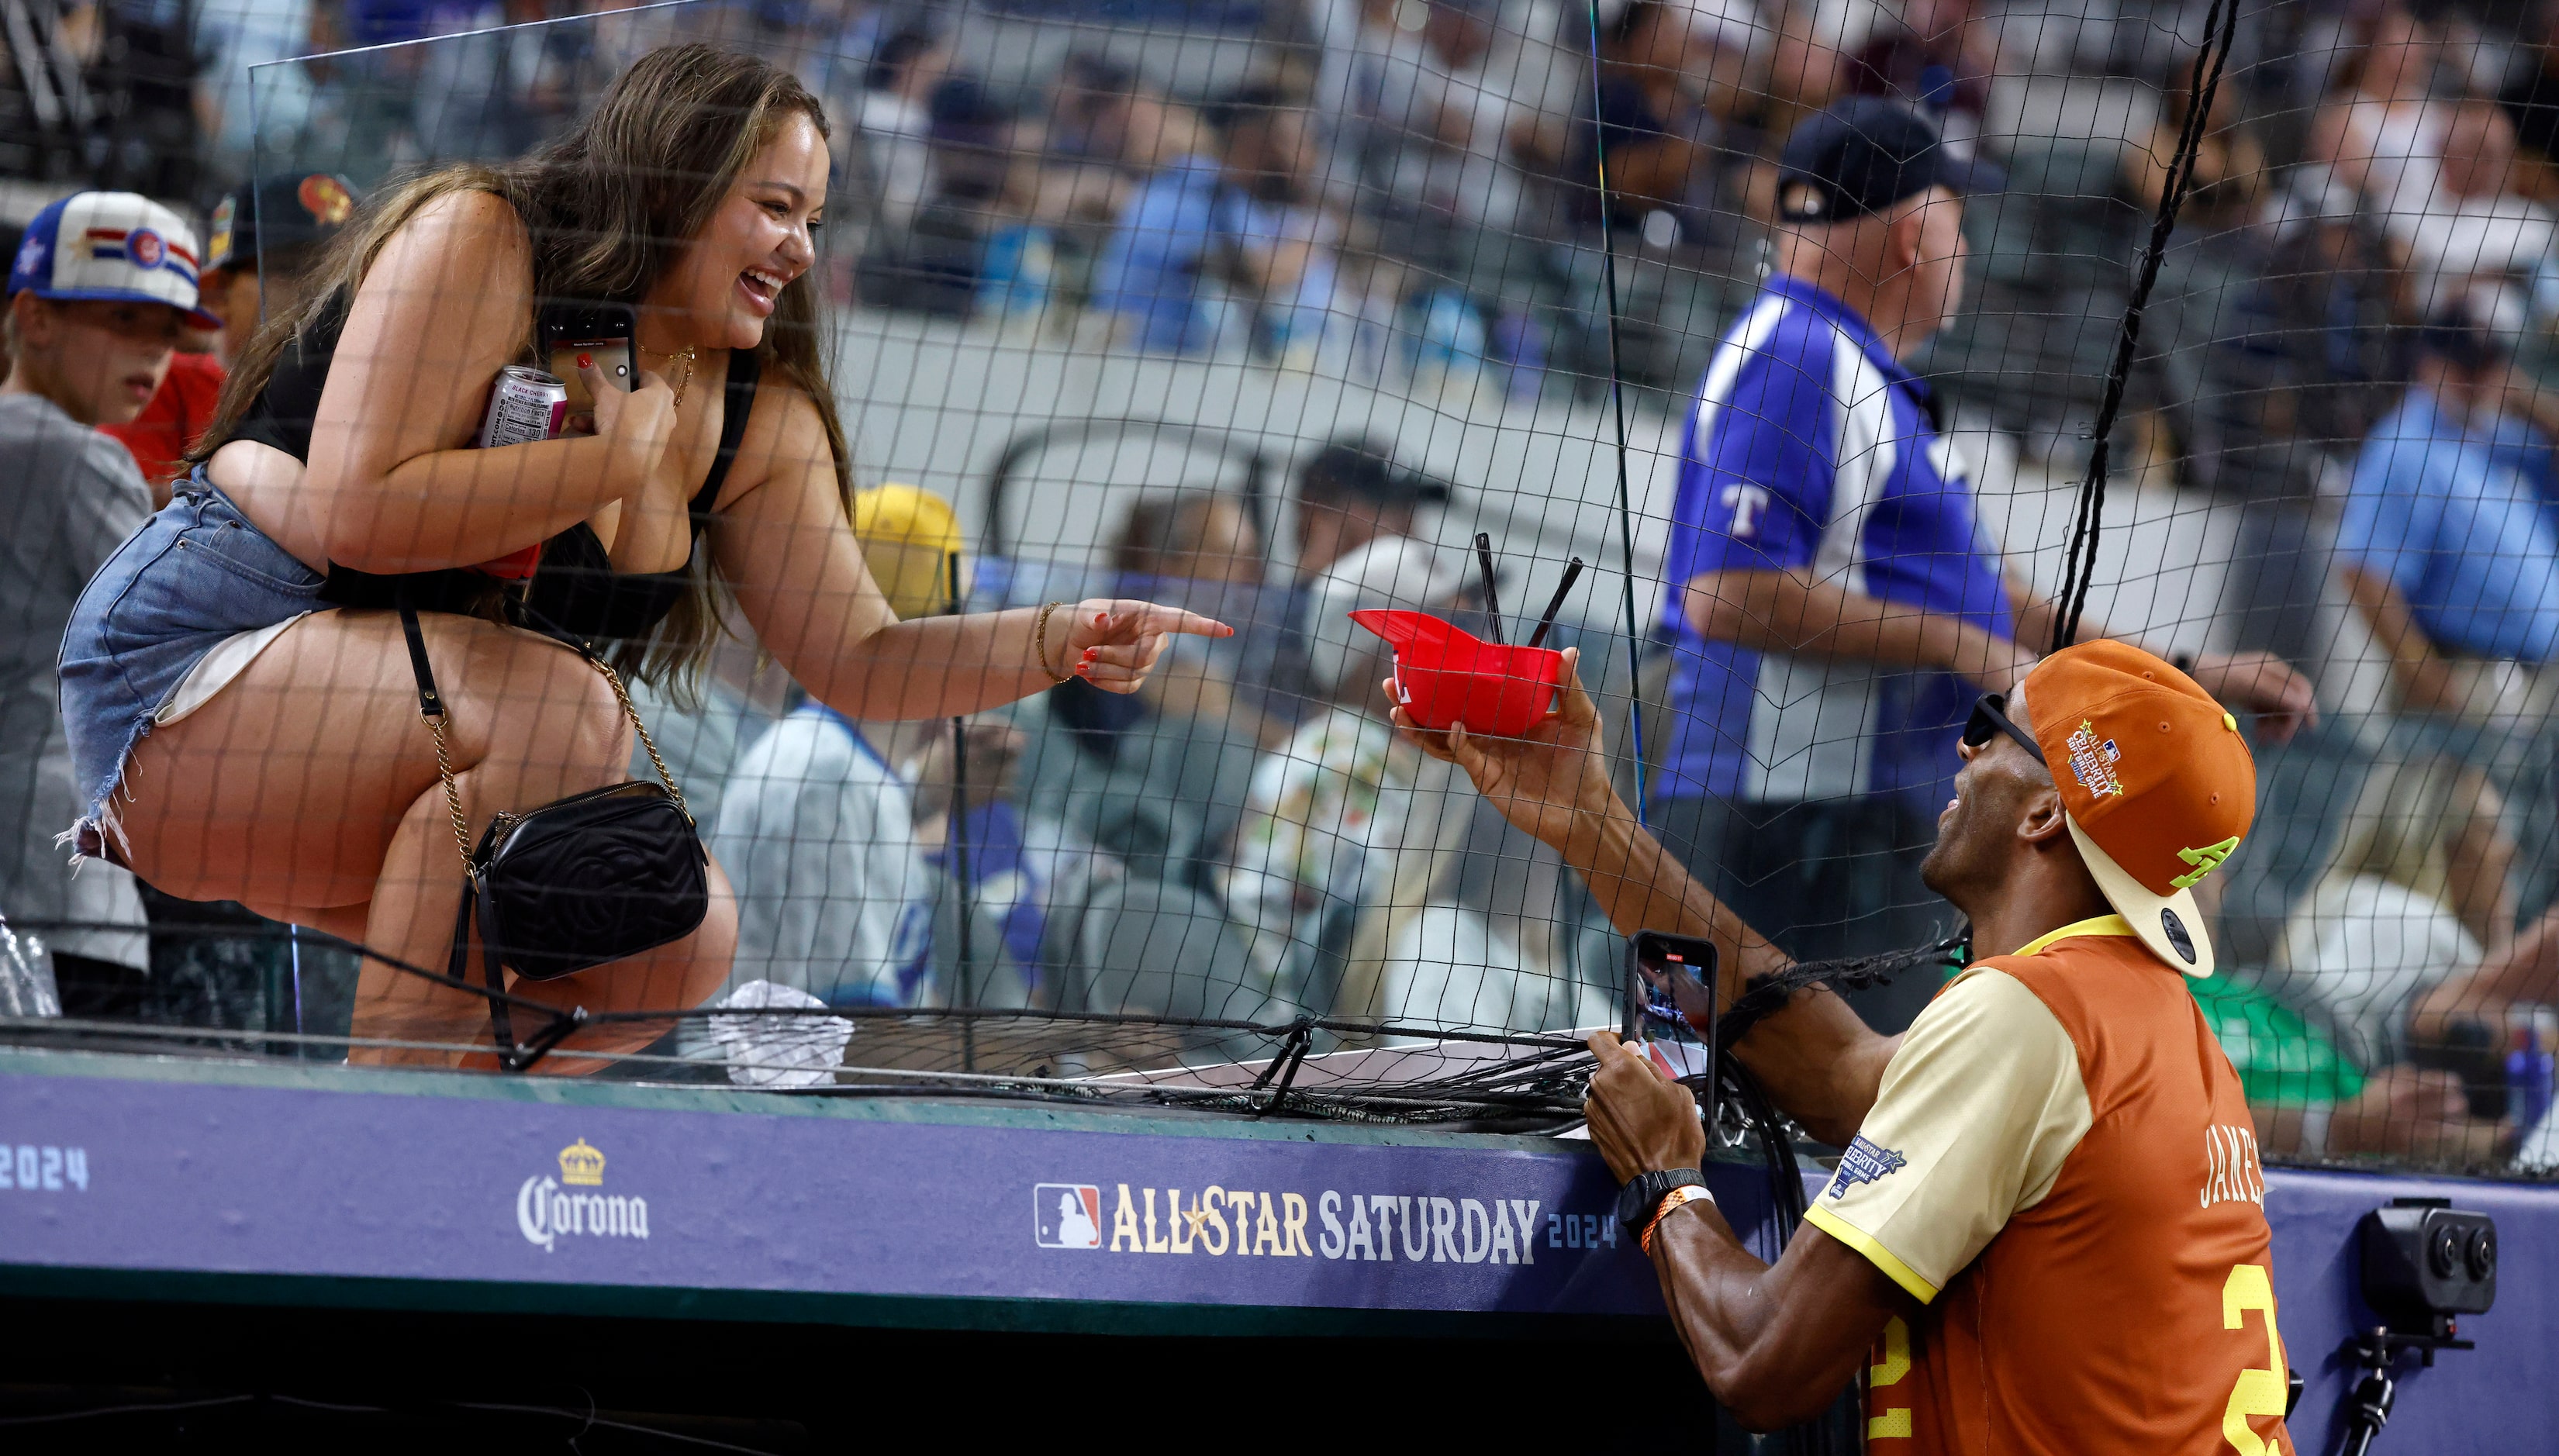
[(144, 247), (1066, 1216)]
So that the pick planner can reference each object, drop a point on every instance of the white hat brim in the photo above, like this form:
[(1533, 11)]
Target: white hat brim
[(2156, 918)]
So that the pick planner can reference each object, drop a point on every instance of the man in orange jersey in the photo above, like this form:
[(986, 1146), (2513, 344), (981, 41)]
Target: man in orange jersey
[(2047, 1232)]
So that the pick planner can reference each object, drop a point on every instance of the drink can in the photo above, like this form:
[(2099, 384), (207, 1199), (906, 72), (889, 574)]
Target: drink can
[(526, 405), (2531, 1062)]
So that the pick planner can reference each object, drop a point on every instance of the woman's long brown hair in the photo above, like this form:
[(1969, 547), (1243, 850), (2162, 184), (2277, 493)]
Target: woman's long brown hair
[(610, 205)]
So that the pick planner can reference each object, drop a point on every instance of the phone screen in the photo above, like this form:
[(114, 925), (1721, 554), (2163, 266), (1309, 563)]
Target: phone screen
[(1661, 964), (612, 355), (604, 332), (1676, 1030)]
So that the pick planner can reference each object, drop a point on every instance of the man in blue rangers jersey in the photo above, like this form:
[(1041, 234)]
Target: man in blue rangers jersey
[(1834, 599)]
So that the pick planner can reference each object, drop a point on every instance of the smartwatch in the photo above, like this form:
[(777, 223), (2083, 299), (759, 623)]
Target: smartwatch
[(1635, 1204)]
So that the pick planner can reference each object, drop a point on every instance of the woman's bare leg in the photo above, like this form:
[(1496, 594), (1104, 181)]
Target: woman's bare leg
[(308, 785)]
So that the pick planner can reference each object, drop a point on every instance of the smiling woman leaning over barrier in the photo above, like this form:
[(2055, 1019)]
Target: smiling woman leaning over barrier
[(241, 709)]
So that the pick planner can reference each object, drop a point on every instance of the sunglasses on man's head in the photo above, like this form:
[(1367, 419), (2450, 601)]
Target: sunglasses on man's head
[(1990, 716)]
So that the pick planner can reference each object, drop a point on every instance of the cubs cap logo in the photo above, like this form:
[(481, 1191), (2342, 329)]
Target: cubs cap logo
[(114, 246)]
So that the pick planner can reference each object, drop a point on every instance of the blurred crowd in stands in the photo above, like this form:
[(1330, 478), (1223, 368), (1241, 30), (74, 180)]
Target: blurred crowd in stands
[(2351, 333), (1397, 184)]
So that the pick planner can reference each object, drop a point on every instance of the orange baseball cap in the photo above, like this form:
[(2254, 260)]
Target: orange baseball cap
[(2159, 785)]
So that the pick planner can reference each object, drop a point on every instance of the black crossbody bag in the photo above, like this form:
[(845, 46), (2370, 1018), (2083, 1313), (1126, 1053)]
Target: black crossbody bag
[(594, 877)]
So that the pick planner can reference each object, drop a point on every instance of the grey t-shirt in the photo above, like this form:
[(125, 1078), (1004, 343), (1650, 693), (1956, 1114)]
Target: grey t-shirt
[(69, 496)]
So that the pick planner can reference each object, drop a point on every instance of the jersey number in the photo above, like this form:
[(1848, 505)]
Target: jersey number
[(2257, 1392), (1892, 1361)]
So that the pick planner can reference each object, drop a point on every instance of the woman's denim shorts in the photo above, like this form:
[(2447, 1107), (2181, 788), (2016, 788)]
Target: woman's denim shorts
[(195, 574)]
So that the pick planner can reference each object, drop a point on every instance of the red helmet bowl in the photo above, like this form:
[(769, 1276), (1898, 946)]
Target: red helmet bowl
[(1444, 676)]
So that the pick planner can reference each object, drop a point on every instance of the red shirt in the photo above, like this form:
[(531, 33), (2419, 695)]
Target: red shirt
[(176, 418)]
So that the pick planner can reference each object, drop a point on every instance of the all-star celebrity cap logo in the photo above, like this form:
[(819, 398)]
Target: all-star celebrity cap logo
[(2092, 763), (548, 1209)]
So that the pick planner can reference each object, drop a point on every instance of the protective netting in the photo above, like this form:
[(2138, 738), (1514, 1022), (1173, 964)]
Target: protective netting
[(1265, 309)]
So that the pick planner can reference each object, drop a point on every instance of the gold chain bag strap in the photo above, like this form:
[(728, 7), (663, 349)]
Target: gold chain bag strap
[(578, 882)]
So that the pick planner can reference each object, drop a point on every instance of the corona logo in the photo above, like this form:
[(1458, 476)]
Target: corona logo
[(581, 1166), (548, 1209)]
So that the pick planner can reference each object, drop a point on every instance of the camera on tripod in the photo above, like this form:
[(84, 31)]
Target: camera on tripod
[(2424, 1262)]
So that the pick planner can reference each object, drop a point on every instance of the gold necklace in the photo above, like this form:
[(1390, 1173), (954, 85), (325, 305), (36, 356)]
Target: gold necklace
[(688, 353)]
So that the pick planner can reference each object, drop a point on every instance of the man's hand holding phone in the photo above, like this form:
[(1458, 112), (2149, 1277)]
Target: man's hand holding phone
[(1640, 1119)]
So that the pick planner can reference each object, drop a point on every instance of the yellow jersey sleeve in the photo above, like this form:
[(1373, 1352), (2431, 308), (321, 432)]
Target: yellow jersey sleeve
[(1978, 1108)]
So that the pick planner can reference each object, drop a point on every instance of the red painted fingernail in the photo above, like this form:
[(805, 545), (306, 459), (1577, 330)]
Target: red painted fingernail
[(586, 361), (1084, 670), (1101, 619), (1091, 653)]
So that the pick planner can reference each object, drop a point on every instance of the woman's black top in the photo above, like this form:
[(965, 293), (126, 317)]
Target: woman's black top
[(575, 594)]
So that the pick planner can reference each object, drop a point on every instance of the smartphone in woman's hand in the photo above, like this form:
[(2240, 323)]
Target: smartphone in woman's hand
[(606, 333)]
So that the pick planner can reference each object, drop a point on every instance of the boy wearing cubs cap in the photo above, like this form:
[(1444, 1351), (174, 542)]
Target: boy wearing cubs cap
[(100, 286), (97, 293), (2048, 1230), (261, 244)]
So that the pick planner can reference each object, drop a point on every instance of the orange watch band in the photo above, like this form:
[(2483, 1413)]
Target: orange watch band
[(1672, 1202)]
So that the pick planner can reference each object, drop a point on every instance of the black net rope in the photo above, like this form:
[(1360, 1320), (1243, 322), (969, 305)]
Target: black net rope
[(1540, 1075), (1768, 994), (2220, 27)]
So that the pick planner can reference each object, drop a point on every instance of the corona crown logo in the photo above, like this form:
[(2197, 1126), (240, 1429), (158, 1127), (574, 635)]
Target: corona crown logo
[(581, 1165), (547, 1212)]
